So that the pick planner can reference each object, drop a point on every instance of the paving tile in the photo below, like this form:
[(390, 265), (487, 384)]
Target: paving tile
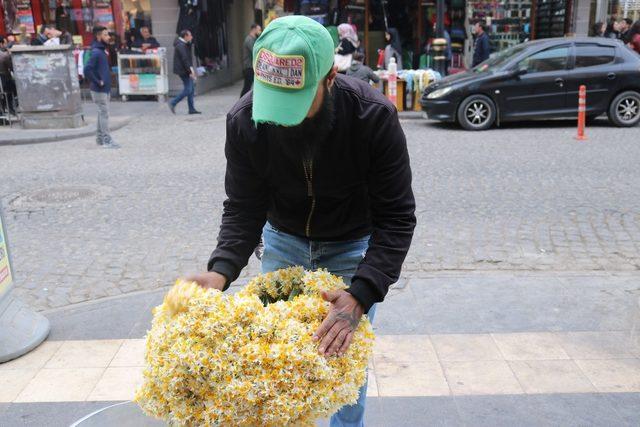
[(481, 377), (626, 406), (614, 375), (372, 385), (418, 411), (117, 384), (84, 354), (13, 381), (131, 353), (111, 319), (495, 411), (404, 348), (50, 414), (465, 347), (530, 346), (573, 410), (599, 345), (35, 359), (61, 385), (411, 379), (551, 376)]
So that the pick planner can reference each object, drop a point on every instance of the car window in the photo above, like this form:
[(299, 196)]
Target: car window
[(500, 58), (553, 59), (590, 55)]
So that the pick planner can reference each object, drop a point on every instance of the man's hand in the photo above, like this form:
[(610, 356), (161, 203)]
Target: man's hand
[(336, 332), (210, 279)]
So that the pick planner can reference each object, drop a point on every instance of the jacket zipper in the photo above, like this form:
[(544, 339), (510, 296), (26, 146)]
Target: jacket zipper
[(308, 174)]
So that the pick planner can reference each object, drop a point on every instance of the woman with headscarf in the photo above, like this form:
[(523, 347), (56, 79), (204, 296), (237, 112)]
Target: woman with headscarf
[(348, 44), (393, 48)]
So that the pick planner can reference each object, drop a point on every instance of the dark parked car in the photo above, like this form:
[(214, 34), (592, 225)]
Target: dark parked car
[(541, 79)]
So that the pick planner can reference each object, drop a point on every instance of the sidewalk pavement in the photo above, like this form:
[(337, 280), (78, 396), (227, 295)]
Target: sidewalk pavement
[(121, 114), (215, 103), (472, 349)]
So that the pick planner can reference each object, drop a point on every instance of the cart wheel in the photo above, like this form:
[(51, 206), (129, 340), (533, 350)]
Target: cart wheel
[(125, 98), (162, 98)]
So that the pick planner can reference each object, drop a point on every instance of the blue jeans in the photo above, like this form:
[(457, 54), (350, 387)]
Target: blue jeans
[(283, 250), (187, 91)]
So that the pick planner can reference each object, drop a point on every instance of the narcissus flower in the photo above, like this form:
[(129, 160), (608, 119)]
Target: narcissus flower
[(249, 359)]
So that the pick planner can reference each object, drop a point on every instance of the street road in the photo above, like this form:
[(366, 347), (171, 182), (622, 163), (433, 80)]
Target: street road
[(523, 197)]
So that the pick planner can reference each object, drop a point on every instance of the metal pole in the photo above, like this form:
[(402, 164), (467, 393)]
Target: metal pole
[(440, 19), (366, 32), (439, 44)]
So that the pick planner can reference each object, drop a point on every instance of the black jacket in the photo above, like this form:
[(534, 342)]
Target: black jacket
[(182, 59), (361, 185), (481, 49), (151, 41)]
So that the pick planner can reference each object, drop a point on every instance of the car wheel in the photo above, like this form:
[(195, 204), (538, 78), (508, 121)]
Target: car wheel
[(624, 110), (477, 112)]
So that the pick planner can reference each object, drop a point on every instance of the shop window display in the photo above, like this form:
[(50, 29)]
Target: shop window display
[(508, 21), (78, 17), (206, 19)]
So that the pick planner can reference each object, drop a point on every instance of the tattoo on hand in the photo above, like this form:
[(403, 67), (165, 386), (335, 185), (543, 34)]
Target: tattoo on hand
[(352, 318)]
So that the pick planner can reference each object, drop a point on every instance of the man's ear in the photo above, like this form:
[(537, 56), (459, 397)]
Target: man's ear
[(331, 77)]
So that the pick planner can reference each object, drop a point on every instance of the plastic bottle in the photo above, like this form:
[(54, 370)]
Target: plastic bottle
[(392, 77)]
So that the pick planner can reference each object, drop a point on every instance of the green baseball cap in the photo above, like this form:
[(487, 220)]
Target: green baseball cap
[(290, 58)]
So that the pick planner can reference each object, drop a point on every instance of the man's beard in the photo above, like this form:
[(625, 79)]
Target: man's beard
[(312, 131)]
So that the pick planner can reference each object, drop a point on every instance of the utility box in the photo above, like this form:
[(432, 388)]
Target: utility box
[(48, 88)]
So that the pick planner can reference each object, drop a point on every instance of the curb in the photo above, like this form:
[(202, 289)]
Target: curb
[(411, 115), (66, 134)]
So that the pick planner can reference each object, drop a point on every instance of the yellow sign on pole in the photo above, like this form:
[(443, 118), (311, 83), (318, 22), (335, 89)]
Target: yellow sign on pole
[(5, 264)]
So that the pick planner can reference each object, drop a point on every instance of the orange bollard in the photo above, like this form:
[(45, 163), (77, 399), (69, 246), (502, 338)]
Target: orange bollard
[(582, 112)]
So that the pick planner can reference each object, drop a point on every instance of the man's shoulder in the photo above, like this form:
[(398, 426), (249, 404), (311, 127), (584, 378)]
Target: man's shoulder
[(362, 93), (241, 112)]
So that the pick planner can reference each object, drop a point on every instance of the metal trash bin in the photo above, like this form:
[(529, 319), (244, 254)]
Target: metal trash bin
[(48, 88)]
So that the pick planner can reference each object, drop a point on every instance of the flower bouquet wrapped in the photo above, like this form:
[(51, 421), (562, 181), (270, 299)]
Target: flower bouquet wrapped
[(249, 359)]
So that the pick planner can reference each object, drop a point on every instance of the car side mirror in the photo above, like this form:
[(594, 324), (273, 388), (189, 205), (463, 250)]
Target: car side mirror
[(519, 72)]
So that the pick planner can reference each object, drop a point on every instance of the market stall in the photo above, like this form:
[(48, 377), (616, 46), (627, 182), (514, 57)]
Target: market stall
[(143, 74)]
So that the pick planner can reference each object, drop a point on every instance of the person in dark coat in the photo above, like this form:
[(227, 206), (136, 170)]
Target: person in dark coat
[(598, 29), (146, 40), (481, 48), (98, 72), (6, 77), (183, 67), (247, 57), (43, 36), (361, 71)]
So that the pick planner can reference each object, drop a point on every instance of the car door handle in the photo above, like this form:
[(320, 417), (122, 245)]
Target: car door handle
[(560, 82), (611, 76)]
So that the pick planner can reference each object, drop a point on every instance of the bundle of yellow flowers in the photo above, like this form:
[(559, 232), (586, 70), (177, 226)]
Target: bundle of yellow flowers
[(249, 359)]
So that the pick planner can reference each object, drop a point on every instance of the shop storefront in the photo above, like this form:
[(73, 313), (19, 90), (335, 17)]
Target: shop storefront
[(217, 43), (509, 23)]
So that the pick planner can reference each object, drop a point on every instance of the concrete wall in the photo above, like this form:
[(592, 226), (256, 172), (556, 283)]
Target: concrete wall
[(164, 16), (581, 18)]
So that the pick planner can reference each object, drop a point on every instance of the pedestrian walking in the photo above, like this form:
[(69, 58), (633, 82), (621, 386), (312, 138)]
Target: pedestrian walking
[(481, 47), (317, 163), (361, 71), (98, 72), (183, 67), (247, 57)]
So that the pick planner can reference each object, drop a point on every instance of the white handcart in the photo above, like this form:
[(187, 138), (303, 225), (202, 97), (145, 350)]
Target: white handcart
[(143, 74)]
